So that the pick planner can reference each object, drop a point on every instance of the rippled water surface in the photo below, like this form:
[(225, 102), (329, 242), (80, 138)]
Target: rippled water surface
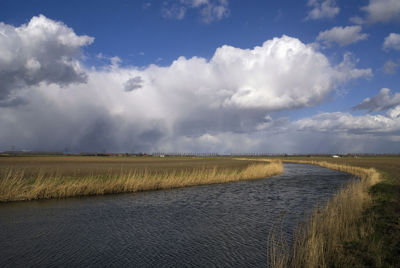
[(216, 225)]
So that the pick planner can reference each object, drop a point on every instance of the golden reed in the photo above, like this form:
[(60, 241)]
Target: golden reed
[(320, 242), (15, 186)]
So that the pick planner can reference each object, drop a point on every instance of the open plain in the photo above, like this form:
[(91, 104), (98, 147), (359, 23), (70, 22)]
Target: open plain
[(38, 177)]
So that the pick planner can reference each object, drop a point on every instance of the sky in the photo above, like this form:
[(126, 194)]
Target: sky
[(221, 76)]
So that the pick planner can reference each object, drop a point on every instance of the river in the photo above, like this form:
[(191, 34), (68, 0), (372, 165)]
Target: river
[(221, 225)]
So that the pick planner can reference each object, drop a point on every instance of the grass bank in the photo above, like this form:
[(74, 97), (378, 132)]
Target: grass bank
[(19, 183), (359, 227)]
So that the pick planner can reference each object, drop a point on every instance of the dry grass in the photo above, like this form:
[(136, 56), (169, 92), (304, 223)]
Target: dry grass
[(80, 166), (47, 183), (320, 242), (277, 247)]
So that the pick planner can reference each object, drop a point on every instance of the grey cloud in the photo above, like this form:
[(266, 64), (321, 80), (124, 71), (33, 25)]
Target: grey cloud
[(390, 67), (383, 101), (219, 120), (381, 11), (392, 41), (292, 140), (342, 35), (322, 9), (13, 102), (369, 125), (41, 51), (133, 84), (210, 10)]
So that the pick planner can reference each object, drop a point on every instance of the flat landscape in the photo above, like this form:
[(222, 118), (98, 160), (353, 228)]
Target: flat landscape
[(359, 227), (218, 119), (78, 166), (38, 177)]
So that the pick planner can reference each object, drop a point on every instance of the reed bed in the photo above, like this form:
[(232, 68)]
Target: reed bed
[(320, 243), (15, 186)]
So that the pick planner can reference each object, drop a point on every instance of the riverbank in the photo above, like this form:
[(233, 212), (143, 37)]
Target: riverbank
[(218, 225), (360, 226), (50, 178)]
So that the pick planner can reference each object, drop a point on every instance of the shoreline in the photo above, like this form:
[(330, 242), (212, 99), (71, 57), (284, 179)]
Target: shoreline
[(320, 242), (14, 187)]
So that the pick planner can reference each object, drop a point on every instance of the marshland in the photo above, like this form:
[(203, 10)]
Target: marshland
[(27, 178), (360, 226), (244, 210)]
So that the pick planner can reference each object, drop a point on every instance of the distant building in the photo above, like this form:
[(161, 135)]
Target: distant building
[(335, 156)]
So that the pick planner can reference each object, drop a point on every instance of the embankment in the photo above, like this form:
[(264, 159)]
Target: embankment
[(322, 241)]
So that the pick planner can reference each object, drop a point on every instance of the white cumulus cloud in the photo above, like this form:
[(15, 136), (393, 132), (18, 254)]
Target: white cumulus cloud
[(342, 35), (346, 122), (392, 41), (322, 9), (216, 101), (380, 11), (357, 133), (41, 51)]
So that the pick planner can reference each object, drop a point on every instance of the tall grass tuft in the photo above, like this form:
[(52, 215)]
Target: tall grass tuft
[(277, 247), (14, 185), (320, 243)]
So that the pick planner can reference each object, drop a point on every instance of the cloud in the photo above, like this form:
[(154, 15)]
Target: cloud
[(356, 20), (392, 41), (324, 133), (380, 11), (390, 67), (192, 104), (210, 10), (322, 9), (173, 11), (342, 35), (339, 122), (146, 5), (345, 133), (13, 101), (394, 112), (41, 51), (383, 101), (133, 83), (346, 70), (215, 11)]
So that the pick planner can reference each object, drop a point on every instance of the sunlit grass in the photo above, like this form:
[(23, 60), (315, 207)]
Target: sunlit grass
[(16, 185), (319, 243)]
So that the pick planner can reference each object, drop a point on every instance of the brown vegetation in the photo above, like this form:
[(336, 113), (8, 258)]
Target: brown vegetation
[(379, 246), (18, 182), (321, 242)]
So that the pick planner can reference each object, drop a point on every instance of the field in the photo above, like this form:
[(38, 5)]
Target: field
[(360, 227), (27, 178)]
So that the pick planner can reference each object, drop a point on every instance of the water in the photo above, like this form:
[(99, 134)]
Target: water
[(221, 225)]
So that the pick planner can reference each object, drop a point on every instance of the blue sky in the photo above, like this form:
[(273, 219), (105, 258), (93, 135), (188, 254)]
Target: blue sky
[(350, 51)]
